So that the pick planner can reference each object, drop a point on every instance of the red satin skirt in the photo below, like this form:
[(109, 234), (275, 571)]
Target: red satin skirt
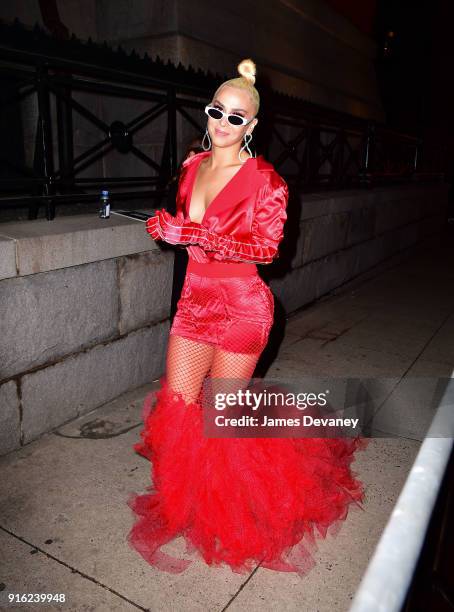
[(225, 304)]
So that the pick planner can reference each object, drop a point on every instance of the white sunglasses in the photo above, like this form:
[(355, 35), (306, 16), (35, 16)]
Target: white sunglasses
[(217, 113)]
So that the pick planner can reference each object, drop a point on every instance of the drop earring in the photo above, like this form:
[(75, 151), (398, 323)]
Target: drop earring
[(209, 140), (246, 147)]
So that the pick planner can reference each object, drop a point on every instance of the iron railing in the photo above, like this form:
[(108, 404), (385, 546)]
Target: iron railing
[(417, 529), (313, 147)]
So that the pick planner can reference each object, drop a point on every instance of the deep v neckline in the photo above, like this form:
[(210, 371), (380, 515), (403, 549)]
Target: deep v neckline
[(216, 197)]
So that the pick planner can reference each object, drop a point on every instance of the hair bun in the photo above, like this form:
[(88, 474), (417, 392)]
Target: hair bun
[(247, 70)]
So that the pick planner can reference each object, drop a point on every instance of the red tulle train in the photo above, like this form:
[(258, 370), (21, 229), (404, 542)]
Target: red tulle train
[(240, 501)]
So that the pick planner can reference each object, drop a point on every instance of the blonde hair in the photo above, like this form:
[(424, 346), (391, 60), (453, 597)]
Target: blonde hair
[(247, 70)]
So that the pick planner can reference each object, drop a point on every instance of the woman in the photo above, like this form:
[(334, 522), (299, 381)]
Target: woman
[(236, 500)]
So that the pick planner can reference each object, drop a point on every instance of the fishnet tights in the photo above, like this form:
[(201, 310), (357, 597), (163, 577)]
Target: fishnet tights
[(189, 362)]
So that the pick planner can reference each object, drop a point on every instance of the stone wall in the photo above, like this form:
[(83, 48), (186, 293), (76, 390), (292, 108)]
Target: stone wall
[(85, 305), (85, 301), (342, 235)]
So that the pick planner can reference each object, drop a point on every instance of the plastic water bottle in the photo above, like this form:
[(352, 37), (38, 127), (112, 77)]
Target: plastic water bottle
[(104, 212)]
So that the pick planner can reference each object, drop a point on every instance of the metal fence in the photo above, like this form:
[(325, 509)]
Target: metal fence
[(50, 86), (393, 582)]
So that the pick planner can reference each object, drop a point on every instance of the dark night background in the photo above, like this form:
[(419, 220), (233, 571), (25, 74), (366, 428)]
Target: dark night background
[(414, 63)]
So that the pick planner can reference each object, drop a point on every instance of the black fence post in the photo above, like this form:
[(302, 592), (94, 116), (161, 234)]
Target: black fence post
[(44, 136), (172, 131), (367, 156), (65, 139), (312, 154)]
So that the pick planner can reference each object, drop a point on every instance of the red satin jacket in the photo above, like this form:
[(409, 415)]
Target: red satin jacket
[(249, 212)]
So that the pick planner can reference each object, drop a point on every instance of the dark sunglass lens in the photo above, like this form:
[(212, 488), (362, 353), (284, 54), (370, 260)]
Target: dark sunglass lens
[(215, 113), (235, 120)]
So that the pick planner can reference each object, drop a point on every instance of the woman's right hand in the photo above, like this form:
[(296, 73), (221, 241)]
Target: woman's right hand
[(153, 227), (174, 229), (178, 230)]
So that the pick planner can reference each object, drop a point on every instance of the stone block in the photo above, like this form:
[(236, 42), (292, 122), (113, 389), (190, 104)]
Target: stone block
[(145, 281), (9, 417), (297, 259), (335, 270), (297, 288), (55, 394), (7, 257), (312, 205), (368, 254), (68, 241), (361, 225), (47, 316), (324, 235)]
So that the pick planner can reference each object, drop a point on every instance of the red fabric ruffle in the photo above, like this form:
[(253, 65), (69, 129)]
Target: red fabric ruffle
[(240, 501)]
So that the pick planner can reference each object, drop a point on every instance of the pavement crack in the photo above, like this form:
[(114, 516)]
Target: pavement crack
[(73, 569), (240, 589)]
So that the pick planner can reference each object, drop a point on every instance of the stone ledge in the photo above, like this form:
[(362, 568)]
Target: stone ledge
[(345, 200), (30, 247)]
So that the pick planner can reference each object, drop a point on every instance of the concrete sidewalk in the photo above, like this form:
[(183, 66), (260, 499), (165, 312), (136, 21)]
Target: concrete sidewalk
[(63, 513)]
